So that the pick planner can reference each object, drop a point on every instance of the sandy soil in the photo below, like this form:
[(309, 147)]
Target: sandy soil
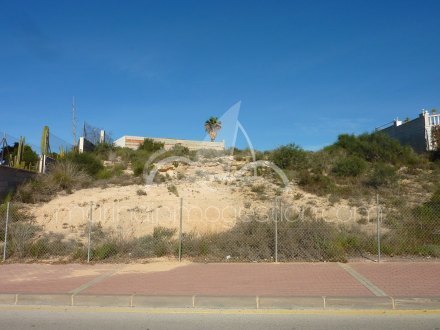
[(214, 198)]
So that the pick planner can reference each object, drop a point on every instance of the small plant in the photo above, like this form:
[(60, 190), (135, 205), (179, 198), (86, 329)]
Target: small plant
[(362, 221), (141, 192), (161, 233), (159, 178), (298, 196), (173, 190), (105, 251), (260, 191), (258, 188)]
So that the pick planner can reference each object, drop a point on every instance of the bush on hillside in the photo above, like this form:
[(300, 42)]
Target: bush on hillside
[(103, 150), (351, 166), (377, 147), (151, 145), (427, 226), (63, 175), (316, 183), (382, 175), (289, 157), (86, 162)]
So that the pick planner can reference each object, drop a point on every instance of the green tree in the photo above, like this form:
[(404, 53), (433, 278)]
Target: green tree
[(212, 126), (29, 156)]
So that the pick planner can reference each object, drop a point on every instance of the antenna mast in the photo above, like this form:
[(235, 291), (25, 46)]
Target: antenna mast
[(74, 122)]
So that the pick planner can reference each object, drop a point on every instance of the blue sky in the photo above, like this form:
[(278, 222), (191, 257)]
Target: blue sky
[(304, 71)]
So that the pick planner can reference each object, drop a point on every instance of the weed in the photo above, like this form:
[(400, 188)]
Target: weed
[(141, 192), (173, 190)]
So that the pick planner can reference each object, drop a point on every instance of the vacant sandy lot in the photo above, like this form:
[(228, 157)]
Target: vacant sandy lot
[(212, 200)]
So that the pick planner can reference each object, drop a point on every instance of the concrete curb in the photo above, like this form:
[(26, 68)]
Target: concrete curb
[(218, 302)]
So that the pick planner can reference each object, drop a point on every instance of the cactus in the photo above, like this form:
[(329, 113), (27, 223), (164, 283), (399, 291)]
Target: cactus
[(17, 159), (45, 147)]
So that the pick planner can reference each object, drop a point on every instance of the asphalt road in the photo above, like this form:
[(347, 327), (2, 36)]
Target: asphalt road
[(20, 317)]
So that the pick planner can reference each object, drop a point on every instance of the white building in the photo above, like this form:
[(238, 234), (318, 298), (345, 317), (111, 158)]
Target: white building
[(416, 133), (133, 142)]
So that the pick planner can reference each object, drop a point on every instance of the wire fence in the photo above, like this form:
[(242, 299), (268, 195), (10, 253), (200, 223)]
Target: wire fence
[(200, 230), (58, 145), (92, 133)]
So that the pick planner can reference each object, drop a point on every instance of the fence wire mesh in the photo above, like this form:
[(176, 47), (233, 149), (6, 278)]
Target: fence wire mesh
[(200, 230), (92, 133)]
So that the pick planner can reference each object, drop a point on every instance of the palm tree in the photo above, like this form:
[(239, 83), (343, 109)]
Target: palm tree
[(212, 126)]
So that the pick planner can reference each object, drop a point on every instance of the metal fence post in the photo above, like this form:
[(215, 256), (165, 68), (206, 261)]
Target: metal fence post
[(90, 233), (378, 227), (276, 229), (6, 232), (180, 230)]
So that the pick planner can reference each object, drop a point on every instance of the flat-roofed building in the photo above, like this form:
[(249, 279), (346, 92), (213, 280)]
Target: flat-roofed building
[(416, 133), (133, 142)]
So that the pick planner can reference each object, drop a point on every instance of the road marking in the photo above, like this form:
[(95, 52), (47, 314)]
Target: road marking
[(96, 280), (70, 309), (363, 280)]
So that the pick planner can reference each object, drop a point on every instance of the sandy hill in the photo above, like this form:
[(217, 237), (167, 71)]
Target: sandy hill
[(215, 194)]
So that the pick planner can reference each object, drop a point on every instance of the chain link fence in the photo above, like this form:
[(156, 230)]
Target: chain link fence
[(199, 230)]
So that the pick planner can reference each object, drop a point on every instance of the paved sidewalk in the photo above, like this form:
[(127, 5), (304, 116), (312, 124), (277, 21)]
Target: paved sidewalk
[(167, 279), (170, 278)]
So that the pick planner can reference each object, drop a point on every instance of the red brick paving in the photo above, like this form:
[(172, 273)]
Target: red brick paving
[(296, 279), (311, 279), (400, 279), (38, 278)]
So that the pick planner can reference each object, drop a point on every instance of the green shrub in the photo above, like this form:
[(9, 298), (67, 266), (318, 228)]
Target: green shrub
[(424, 224), (103, 150), (163, 233), (109, 172), (289, 157), (138, 168), (151, 146), (173, 190), (382, 175), (104, 174), (351, 166), (62, 175), (105, 250), (66, 176), (141, 192), (86, 162), (317, 183), (377, 147)]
